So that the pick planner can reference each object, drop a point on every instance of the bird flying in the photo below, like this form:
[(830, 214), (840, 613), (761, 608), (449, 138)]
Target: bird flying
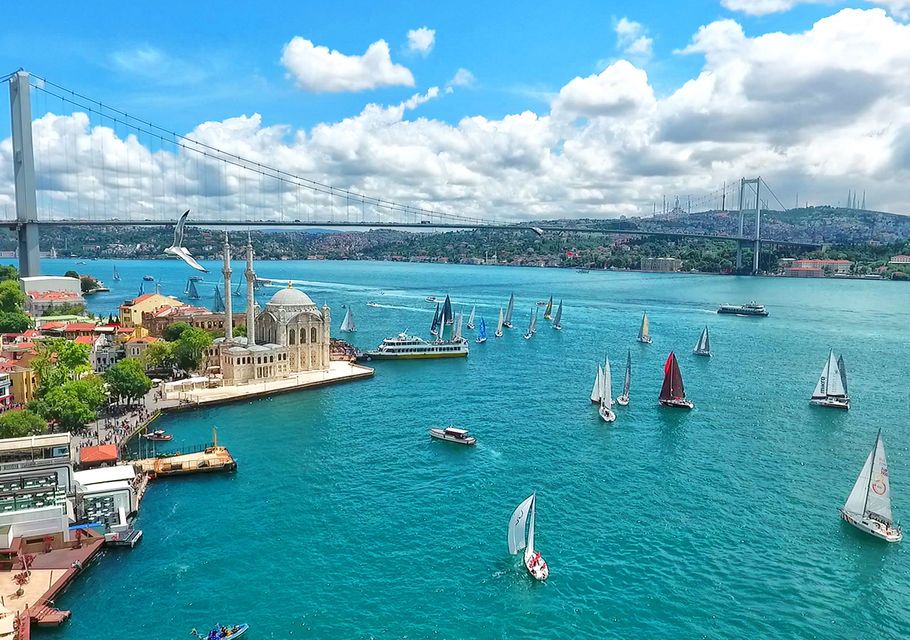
[(177, 249)]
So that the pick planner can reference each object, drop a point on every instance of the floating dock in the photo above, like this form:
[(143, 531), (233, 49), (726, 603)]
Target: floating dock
[(209, 460)]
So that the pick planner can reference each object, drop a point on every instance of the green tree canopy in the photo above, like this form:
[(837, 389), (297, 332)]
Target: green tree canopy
[(64, 408), (71, 274), (14, 322), (127, 379), (159, 355), (88, 283), (89, 390), (18, 424), (189, 349), (11, 296), (174, 331), (240, 331), (9, 272), (58, 361), (64, 309)]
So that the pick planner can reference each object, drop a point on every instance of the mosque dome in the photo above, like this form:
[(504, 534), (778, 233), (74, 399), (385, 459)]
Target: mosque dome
[(291, 297)]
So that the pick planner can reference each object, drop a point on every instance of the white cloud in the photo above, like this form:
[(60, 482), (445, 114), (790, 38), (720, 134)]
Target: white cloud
[(462, 78), (318, 69), (421, 40), (897, 8), (632, 38), (817, 111)]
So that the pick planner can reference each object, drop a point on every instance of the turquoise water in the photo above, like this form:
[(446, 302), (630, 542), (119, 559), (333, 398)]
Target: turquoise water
[(345, 520)]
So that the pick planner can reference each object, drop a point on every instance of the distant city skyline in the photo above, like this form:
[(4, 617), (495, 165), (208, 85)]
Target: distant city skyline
[(506, 113)]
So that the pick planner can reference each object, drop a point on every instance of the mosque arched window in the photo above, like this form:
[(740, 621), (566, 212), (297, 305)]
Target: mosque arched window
[(292, 336), (313, 334)]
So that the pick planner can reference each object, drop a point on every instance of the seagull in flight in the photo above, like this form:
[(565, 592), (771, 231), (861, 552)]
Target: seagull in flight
[(177, 249)]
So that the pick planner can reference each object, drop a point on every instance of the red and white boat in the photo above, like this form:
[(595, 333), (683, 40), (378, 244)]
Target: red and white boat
[(673, 393)]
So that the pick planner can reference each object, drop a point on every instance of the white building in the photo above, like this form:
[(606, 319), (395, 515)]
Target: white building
[(290, 335), (108, 496), (105, 353), (43, 284)]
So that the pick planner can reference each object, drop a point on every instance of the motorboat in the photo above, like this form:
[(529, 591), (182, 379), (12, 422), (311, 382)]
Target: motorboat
[(148, 278), (431, 299), (158, 436), (222, 633), (453, 434), (372, 304)]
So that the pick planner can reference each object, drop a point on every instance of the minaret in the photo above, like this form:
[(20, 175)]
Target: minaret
[(250, 294), (228, 303)]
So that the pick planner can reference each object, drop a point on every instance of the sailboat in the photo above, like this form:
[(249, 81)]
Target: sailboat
[(549, 310), (557, 321), (448, 316), (703, 347), (598, 388), (471, 318), (238, 289), (481, 333), (843, 373), (116, 276), (191, 292), (521, 537), (456, 331), (606, 395), (831, 388), (507, 321), (532, 325), (673, 393), (348, 323), (643, 333), (217, 301), (498, 333), (868, 507), (623, 400), (434, 327)]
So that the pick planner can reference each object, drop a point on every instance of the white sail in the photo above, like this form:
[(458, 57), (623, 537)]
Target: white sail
[(558, 320), (830, 383), (643, 331), (597, 391), (348, 323), (856, 501), (529, 550), (471, 317), (627, 382), (703, 346), (533, 328), (499, 324), (607, 394), (508, 318), (517, 524), (879, 500), (456, 333)]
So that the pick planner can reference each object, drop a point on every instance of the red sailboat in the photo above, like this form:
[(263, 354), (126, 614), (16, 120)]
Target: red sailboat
[(672, 393)]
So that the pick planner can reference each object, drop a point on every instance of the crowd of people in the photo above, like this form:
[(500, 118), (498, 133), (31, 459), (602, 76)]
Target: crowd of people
[(113, 427)]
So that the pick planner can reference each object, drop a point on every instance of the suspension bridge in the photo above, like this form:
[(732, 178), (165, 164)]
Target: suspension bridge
[(127, 170)]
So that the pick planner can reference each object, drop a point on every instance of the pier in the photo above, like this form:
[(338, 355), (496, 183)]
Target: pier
[(210, 459)]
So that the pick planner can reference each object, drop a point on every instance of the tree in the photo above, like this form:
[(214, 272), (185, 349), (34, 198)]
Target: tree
[(14, 322), (18, 424), (64, 309), (159, 355), (11, 296), (189, 349), (174, 331), (89, 390), (240, 331), (88, 283), (71, 274), (9, 272), (58, 361), (127, 379), (64, 408)]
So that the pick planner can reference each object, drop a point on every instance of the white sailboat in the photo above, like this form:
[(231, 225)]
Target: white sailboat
[(606, 395), (532, 325), (498, 333), (521, 537), (644, 334), (703, 346), (471, 318), (831, 388), (348, 323), (456, 332), (507, 321), (623, 400), (557, 321), (868, 507), (598, 385)]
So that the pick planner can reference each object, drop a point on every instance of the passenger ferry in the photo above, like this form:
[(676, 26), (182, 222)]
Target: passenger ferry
[(405, 347), (751, 309)]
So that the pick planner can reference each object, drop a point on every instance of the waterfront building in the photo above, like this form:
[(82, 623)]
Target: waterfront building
[(158, 321), (48, 446), (901, 259), (131, 311), (827, 267), (108, 496), (804, 272), (291, 335), (135, 347), (47, 292), (661, 264)]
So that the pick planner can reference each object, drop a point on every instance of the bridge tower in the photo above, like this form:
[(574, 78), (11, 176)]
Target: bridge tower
[(757, 238), (24, 174)]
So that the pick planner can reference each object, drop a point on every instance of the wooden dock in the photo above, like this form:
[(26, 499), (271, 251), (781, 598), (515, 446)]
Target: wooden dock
[(209, 460)]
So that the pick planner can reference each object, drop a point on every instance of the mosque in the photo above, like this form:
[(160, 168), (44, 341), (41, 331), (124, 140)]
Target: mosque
[(291, 335)]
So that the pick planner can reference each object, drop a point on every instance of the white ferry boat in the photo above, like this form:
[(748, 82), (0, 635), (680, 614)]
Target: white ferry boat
[(453, 434), (751, 309), (405, 347)]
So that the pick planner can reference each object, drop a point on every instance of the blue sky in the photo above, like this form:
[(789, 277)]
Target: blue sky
[(574, 108)]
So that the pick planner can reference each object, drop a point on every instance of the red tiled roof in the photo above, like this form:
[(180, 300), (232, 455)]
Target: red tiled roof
[(101, 453), (141, 298), (84, 340), (53, 325), (147, 339), (31, 333), (80, 326), (54, 296)]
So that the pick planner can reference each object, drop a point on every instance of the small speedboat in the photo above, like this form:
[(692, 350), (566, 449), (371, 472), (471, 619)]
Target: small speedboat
[(196, 278), (220, 633), (158, 436), (541, 303), (372, 304), (431, 299), (453, 434), (148, 278)]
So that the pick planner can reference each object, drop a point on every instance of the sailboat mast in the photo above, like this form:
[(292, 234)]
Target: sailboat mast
[(878, 438)]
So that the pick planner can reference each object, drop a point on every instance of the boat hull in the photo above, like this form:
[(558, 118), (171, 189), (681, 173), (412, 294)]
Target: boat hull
[(528, 336), (607, 415), (872, 527), (557, 327), (416, 356), (439, 434), (480, 340), (645, 340), (706, 354), (830, 403), (622, 401), (538, 569), (507, 325), (676, 403)]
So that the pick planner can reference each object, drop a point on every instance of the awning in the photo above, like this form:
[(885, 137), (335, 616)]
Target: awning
[(101, 453)]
